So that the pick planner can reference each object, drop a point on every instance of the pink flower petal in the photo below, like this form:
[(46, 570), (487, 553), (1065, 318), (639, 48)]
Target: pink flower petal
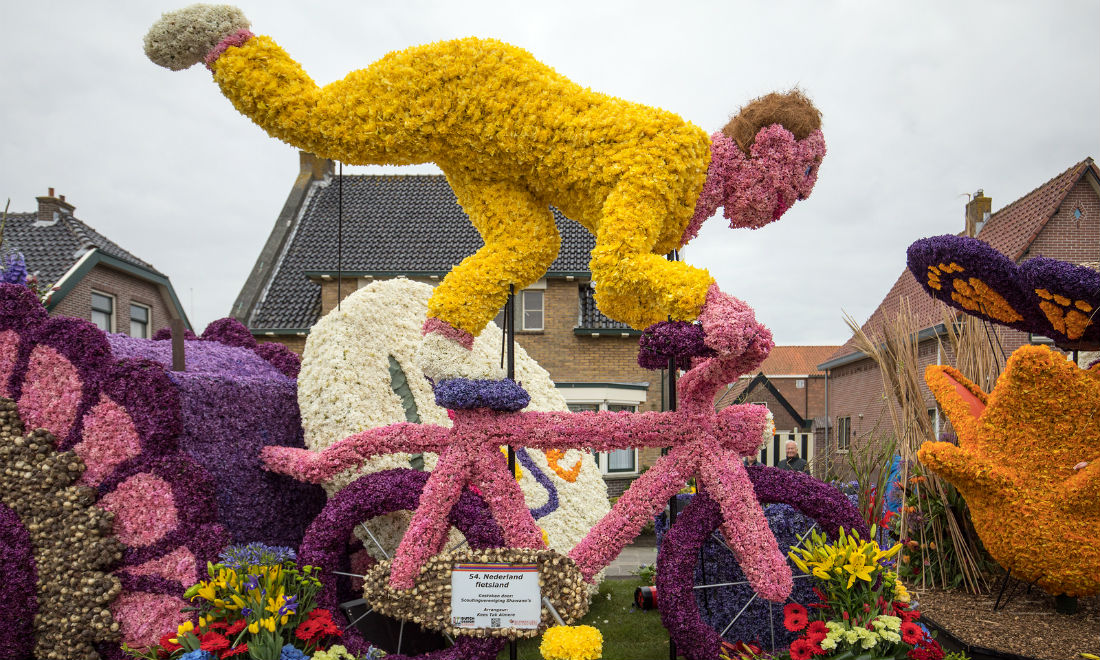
[(9, 351), (109, 438), (145, 617), (51, 392), (179, 565), (144, 509)]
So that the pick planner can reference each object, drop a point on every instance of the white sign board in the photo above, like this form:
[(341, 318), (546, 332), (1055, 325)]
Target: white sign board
[(495, 596)]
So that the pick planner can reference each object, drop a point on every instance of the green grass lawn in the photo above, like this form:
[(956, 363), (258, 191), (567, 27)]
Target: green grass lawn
[(628, 633)]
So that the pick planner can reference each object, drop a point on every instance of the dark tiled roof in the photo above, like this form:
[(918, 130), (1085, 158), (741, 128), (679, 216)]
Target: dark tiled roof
[(51, 248), (1011, 230), (407, 224), (592, 319)]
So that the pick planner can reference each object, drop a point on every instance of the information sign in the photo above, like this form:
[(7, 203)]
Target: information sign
[(495, 596)]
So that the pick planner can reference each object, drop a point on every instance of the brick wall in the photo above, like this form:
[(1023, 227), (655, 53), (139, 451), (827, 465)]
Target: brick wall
[(125, 288), (1065, 237)]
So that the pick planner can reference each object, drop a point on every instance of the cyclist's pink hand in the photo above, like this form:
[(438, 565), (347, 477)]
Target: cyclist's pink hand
[(731, 329)]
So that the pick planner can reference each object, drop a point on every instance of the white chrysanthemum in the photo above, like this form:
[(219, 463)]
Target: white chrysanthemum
[(182, 38), (345, 387)]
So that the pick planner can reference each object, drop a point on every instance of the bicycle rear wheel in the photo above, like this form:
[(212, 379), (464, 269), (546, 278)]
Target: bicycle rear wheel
[(329, 543), (695, 567)]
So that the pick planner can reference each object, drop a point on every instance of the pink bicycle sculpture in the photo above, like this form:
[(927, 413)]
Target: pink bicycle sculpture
[(705, 445)]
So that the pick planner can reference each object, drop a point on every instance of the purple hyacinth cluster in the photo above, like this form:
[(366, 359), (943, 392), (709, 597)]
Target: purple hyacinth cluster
[(326, 546), (17, 589), (793, 502), (15, 271), (231, 333), (464, 394), (666, 340)]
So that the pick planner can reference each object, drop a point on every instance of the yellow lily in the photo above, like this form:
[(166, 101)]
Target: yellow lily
[(207, 591), (822, 569), (238, 602), (857, 567)]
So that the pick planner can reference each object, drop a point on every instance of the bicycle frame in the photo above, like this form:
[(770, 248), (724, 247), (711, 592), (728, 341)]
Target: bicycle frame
[(705, 445)]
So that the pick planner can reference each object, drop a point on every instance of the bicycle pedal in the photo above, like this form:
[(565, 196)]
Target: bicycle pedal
[(505, 395)]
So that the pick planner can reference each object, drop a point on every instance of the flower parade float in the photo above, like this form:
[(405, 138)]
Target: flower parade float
[(171, 458), (513, 137), (1027, 461)]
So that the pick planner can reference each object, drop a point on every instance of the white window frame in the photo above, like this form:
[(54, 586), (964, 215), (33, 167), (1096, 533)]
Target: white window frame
[(844, 432), (523, 297), (603, 398), (114, 309), (148, 319)]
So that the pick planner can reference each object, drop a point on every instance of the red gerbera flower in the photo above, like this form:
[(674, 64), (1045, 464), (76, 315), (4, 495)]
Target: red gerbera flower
[(236, 650), (817, 632), (795, 617), (167, 645), (911, 633), (801, 650), (213, 642), (318, 624), (216, 625), (236, 627)]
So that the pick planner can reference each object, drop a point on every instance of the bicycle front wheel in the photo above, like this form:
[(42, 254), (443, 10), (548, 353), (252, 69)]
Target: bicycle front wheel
[(330, 542), (703, 595)]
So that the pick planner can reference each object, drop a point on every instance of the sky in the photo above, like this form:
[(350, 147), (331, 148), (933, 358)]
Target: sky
[(923, 103)]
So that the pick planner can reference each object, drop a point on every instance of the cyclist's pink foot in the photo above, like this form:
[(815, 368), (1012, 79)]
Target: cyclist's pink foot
[(446, 352)]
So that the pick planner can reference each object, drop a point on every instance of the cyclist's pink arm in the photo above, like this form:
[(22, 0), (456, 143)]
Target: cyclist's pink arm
[(354, 451)]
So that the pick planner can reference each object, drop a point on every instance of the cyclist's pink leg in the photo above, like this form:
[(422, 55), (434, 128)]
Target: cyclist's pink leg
[(645, 497), (745, 527), (428, 530), (506, 502)]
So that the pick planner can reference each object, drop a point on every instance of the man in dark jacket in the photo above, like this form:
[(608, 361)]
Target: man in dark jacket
[(793, 461)]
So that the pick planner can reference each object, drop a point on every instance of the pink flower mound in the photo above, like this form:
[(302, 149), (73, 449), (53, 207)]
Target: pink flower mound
[(109, 438), (51, 392), (144, 509), (179, 565), (9, 352), (145, 617)]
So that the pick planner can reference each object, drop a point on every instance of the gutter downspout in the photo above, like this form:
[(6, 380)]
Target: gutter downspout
[(828, 427)]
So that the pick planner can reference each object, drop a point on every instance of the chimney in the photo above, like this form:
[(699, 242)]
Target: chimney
[(316, 167), (978, 210), (50, 206)]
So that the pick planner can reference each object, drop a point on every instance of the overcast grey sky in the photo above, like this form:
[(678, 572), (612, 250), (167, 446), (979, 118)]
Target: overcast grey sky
[(922, 103)]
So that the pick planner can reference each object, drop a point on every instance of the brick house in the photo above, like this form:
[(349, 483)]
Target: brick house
[(793, 388), (86, 275), (1060, 219), (412, 226)]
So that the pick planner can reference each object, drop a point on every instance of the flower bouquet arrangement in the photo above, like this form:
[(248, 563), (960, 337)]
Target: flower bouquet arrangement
[(257, 604), (864, 611)]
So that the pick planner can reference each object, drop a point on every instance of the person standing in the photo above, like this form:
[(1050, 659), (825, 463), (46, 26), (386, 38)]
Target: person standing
[(793, 460)]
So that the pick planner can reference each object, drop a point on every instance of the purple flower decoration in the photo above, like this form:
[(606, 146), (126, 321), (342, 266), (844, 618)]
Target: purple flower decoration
[(280, 357), (326, 545), (1042, 296), (671, 339), (464, 394), (17, 589), (230, 332), (15, 272), (693, 615), (166, 334), (551, 492)]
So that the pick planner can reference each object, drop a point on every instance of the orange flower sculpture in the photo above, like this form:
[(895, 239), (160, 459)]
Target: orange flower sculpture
[(1016, 464)]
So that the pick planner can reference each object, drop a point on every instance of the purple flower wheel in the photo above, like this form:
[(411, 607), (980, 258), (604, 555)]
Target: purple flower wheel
[(685, 544), (17, 590), (329, 543)]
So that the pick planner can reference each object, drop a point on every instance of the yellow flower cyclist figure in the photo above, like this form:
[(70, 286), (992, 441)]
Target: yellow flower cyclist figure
[(514, 137)]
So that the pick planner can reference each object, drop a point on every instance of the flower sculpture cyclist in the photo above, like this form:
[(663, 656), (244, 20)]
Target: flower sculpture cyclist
[(513, 137)]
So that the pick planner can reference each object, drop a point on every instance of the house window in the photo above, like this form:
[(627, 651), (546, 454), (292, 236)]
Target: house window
[(103, 311), (843, 433), (761, 403), (800, 383), (531, 309), (139, 321)]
